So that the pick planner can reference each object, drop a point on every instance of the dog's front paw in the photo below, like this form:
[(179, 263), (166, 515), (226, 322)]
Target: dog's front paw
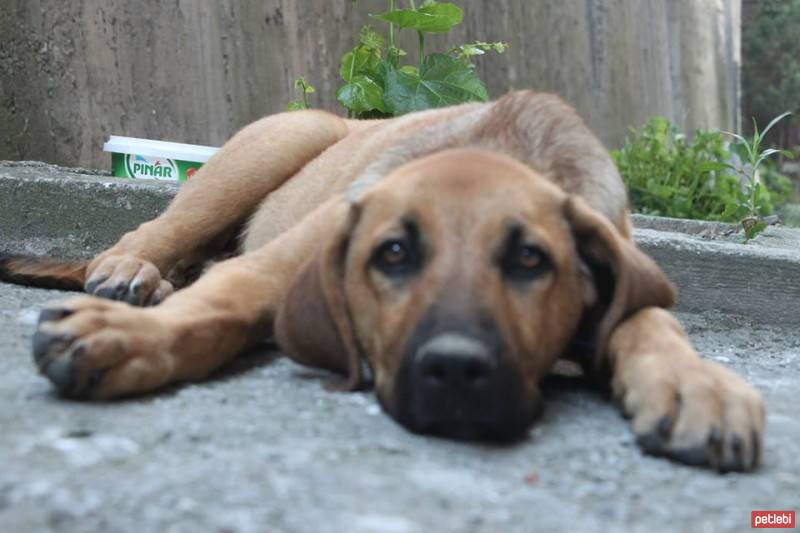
[(127, 278), (696, 412), (98, 349)]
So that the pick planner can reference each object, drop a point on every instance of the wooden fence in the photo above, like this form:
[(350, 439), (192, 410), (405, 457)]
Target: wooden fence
[(72, 73)]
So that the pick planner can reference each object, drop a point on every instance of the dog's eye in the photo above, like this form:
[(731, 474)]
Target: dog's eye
[(525, 262), (395, 258), (529, 257), (394, 253)]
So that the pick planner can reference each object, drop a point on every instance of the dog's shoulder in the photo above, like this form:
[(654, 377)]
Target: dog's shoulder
[(548, 135)]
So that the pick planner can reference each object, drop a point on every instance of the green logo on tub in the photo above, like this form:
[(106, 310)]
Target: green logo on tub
[(150, 168)]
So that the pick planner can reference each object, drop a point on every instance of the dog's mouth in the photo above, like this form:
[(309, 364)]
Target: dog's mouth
[(496, 421), (452, 387), (470, 429)]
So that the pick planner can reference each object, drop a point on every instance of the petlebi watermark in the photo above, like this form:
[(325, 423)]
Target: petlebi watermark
[(772, 519)]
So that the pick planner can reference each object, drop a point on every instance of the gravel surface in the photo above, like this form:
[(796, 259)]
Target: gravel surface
[(263, 447)]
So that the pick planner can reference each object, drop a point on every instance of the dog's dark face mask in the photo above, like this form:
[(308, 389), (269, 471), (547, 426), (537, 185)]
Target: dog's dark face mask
[(460, 280)]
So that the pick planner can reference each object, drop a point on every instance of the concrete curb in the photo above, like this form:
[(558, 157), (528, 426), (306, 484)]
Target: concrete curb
[(757, 281), (47, 210)]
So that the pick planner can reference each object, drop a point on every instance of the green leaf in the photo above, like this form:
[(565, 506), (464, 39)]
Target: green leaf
[(732, 212), (757, 188), (433, 17), (305, 89), (765, 155), (773, 122), (478, 48), (372, 39), (714, 166), (737, 137), (362, 94), (442, 81), (746, 145), (768, 152), (302, 85), (468, 50), (500, 47), (359, 60)]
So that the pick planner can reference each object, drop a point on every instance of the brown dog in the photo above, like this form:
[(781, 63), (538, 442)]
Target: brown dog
[(455, 254)]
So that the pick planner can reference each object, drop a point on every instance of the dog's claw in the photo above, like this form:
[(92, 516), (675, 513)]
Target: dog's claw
[(133, 294), (52, 314), (61, 372), (664, 427), (94, 283), (55, 355), (756, 445), (114, 292), (44, 343), (651, 443), (736, 460), (695, 456)]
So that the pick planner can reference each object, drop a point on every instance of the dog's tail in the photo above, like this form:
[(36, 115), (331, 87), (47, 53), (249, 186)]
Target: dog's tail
[(43, 272)]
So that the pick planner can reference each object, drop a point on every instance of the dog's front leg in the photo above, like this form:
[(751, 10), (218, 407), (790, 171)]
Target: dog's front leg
[(95, 348), (683, 407), (207, 209)]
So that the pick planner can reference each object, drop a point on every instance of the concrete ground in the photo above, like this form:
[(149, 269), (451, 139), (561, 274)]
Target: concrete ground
[(264, 448)]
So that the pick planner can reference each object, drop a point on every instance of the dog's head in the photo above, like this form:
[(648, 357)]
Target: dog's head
[(460, 279)]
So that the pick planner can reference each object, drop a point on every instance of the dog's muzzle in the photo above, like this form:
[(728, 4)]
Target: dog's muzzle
[(457, 385)]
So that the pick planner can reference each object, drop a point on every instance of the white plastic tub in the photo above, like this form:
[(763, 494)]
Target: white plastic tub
[(155, 160)]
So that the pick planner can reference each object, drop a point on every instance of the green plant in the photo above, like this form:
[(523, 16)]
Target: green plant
[(305, 88), (750, 208), (669, 174), (378, 83)]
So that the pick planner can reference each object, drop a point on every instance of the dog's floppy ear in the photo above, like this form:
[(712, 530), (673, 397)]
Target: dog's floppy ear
[(625, 279), (313, 325)]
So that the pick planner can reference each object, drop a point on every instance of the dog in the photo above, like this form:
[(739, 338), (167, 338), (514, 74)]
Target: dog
[(449, 258)]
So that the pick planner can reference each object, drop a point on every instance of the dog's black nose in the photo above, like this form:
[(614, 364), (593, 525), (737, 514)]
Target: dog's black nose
[(459, 386), (454, 364)]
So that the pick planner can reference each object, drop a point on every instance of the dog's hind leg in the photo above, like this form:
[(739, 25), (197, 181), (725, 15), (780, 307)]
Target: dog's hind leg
[(219, 198)]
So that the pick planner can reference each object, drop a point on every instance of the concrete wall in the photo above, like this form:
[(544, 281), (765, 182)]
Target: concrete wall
[(71, 73)]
